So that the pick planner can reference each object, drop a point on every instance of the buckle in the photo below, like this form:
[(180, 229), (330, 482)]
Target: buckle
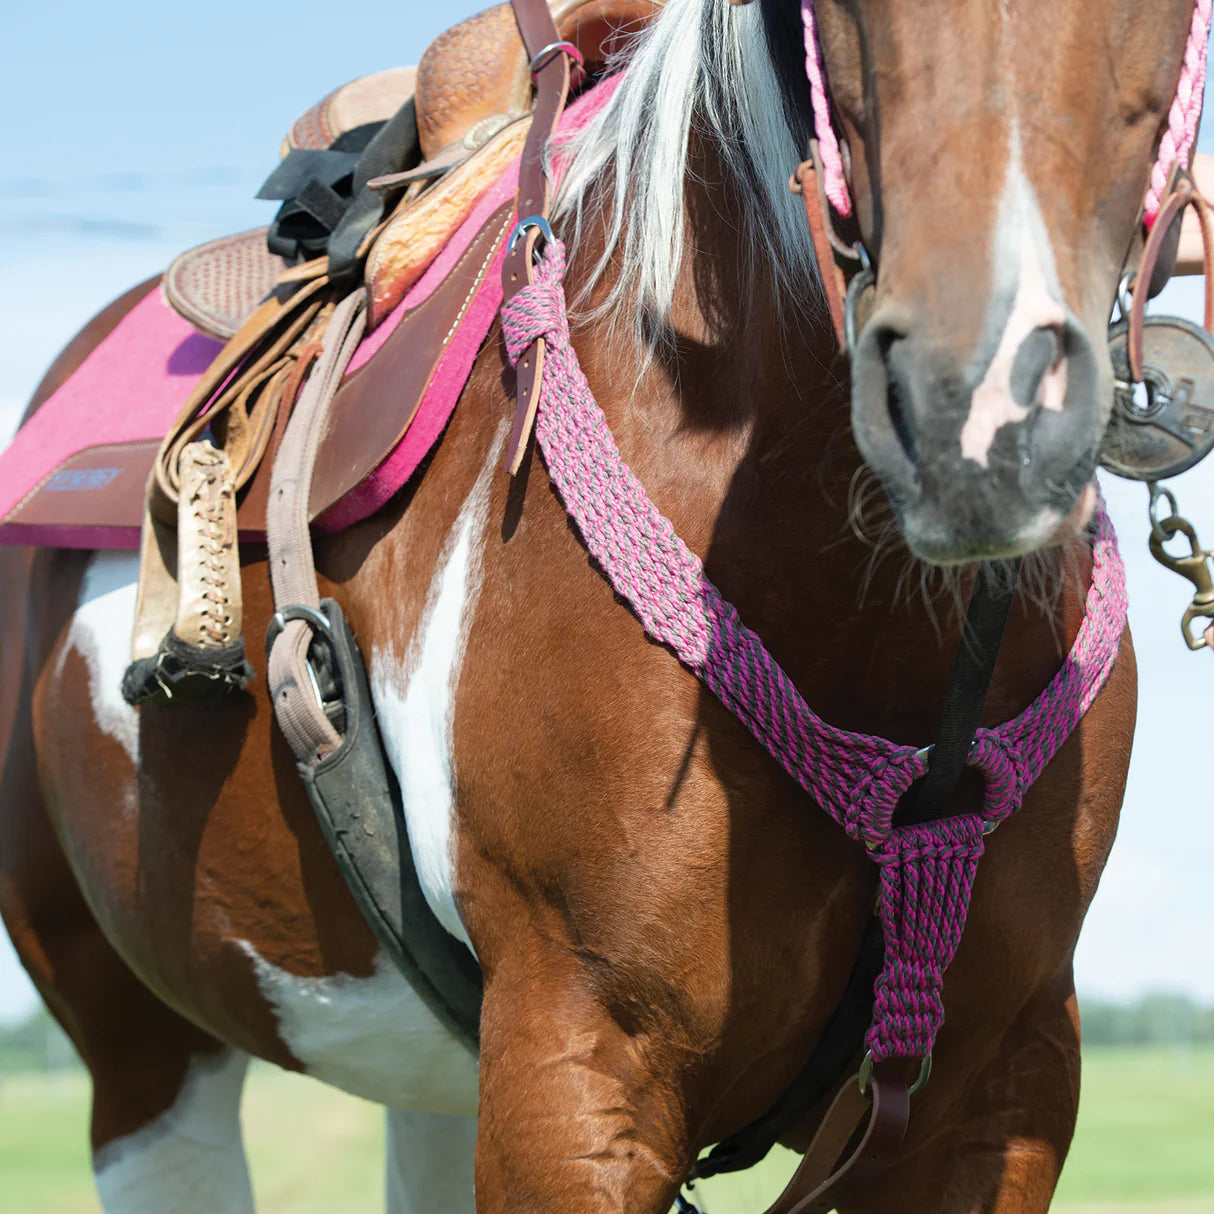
[(524, 225), (297, 611), (318, 621), (541, 59), (866, 1074)]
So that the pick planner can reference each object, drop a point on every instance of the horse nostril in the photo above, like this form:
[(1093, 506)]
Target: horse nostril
[(1039, 370), (891, 345)]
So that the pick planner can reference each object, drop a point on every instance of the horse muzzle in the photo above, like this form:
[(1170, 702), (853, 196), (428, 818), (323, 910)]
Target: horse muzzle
[(986, 457)]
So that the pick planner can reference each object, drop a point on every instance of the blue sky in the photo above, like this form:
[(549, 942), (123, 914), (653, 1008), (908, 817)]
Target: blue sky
[(137, 129)]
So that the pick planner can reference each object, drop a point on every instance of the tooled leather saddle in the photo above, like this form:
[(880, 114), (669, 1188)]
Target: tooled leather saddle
[(374, 181)]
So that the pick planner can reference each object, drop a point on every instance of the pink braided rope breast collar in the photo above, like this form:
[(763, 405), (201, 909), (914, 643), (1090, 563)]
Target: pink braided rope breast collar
[(926, 870), (1175, 147)]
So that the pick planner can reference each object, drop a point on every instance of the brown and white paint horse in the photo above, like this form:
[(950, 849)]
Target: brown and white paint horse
[(663, 920)]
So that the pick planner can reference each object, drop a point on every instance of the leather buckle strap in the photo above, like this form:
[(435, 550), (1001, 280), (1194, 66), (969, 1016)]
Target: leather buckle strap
[(550, 57), (831, 252), (880, 1116)]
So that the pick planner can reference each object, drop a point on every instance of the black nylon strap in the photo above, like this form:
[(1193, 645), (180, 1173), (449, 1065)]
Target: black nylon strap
[(396, 147), (841, 1042), (973, 667), (329, 207)]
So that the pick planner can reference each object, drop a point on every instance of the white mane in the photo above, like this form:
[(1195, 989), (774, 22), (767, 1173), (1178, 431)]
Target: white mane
[(704, 62)]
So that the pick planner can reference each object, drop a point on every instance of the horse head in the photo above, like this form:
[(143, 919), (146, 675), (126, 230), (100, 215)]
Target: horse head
[(997, 155)]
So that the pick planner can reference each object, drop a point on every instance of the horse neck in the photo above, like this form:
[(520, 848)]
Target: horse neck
[(739, 428)]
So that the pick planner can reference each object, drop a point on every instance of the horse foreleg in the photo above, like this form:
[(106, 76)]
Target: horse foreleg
[(1001, 1150), (577, 1114), (430, 1161)]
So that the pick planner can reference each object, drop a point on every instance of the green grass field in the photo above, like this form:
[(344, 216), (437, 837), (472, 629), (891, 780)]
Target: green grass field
[(1145, 1144)]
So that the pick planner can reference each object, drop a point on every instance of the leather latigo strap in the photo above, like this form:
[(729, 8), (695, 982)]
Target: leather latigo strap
[(552, 80), (879, 1115), (1182, 193), (292, 570)]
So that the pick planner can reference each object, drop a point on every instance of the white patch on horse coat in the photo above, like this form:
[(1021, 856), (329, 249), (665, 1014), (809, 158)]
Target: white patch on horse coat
[(430, 1159), (101, 633), (1024, 255), (191, 1159), (415, 700), (372, 1037)]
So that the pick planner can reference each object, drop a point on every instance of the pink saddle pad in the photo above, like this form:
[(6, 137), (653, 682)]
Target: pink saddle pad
[(74, 475)]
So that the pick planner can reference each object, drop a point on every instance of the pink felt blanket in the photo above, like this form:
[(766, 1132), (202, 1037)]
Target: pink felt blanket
[(101, 429)]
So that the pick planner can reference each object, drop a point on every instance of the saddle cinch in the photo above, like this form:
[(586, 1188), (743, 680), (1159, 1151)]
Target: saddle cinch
[(374, 182)]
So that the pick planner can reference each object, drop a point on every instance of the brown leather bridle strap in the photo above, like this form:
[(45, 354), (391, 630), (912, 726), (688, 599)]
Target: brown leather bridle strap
[(552, 75), (1182, 193), (883, 1113), (828, 248)]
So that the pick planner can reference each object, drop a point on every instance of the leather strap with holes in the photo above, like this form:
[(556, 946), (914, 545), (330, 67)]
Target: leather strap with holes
[(879, 1116), (828, 248), (552, 74), (1182, 193)]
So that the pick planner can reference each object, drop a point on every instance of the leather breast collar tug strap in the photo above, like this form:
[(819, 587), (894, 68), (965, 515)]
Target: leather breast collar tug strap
[(551, 68)]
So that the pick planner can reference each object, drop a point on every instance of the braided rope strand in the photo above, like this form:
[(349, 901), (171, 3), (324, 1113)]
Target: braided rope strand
[(927, 870), (834, 179), (1185, 114)]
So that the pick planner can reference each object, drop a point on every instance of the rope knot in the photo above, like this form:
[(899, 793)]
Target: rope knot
[(538, 310)]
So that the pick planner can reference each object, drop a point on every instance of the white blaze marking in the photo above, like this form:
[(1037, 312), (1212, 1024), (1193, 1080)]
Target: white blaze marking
[(190, 1160), (101, 633), (415, 701), (430, 1163), (1023, 249), (372, 1037)]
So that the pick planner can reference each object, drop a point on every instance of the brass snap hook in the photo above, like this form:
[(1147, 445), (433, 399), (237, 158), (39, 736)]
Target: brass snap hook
[(1194, 566)]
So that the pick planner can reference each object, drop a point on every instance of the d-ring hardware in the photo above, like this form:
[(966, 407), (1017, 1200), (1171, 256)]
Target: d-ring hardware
[(544, 57), (1160, 493), (866, 1074), (521, 228)]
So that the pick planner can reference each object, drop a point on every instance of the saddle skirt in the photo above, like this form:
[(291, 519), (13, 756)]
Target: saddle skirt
[(75, 474)]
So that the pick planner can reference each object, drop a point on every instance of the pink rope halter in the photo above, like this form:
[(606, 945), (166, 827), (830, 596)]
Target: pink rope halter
[(1176, 145)]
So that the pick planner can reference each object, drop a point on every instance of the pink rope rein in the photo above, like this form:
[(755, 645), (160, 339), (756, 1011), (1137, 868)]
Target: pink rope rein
[(1175, 147)]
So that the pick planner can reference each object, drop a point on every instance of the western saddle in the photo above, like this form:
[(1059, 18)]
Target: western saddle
[(373, 181)]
